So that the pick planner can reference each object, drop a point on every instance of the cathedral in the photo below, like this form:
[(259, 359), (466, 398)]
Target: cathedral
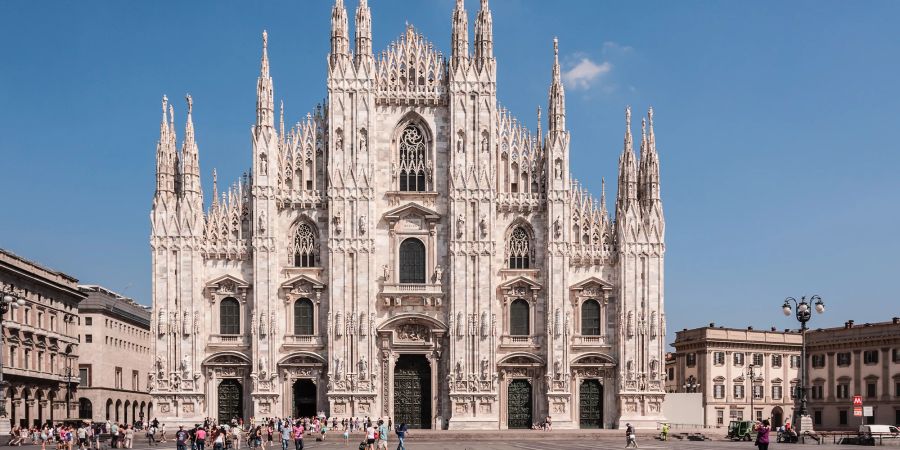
[(408, 249)]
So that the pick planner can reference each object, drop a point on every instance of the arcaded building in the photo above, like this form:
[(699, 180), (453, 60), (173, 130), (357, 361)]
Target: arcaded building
[(409, 249)]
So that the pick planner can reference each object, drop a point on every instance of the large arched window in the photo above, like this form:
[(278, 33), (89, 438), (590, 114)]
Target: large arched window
[(304, 246), (303, 317), (519, 320), (412, 159), (412, 261), (519, 249), (229, 316), (85, 409), (590, 318)]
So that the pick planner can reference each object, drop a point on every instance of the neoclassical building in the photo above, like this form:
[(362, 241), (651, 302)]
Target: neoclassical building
[(408, 249)]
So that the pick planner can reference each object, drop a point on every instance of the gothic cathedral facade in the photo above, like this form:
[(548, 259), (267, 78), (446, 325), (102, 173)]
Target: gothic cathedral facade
[(408, 250)]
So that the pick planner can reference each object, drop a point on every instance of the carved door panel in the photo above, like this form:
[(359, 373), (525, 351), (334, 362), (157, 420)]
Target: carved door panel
[(519, 404), (591, 404), (412, 392), (231, 400)]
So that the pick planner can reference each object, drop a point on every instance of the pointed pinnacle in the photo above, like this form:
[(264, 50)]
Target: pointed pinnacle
[(190, 103)]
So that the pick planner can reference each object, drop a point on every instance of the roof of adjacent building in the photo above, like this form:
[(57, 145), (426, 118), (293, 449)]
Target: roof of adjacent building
[(714, 334), (104, 301), (868, 334), (40, 274)]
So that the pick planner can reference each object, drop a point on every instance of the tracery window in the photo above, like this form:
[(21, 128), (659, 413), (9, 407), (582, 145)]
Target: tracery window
[(303, 317), (590, 318), (304, 246), (519, 320), (519, 249), (229, 316), (412, 261), (412, 159)]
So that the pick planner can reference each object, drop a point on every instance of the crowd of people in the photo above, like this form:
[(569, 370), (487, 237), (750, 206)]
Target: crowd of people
[(211, 435)]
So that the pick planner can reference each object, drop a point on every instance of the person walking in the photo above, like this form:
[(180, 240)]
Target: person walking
[(762, 435), (181, 438), (402, 431), (129, 436), (630, 438), (298, 436)]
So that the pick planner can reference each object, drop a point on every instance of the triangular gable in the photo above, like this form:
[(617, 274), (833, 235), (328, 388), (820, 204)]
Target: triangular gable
[(520, 280), (299, 280), (605, 285), (226, 286), (396, 213)]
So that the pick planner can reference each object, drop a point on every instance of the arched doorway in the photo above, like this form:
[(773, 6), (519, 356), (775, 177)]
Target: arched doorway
[(777, 417), (85, 409), (231, 400), (304, 391), (519, 404), (412, 391), (590, 404)]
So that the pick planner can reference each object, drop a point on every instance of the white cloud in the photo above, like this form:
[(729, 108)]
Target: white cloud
[(585, 73), (610, 47)]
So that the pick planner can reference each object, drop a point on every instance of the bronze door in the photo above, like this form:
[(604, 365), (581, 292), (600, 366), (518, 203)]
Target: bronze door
[(590, 405), (519, 404), (412, 392), (304, 391), (231, 400)]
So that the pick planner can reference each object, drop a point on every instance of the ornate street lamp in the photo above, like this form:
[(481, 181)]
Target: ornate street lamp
[(8, 300), (750, 374), (691, 385), (803, 311)]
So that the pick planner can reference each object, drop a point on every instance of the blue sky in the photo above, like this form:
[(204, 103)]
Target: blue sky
[(775, 124)]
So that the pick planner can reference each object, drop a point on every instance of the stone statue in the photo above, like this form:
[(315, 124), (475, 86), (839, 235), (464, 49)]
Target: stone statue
[(557, 227), (438, 274), (262, 222), (386, 272), (459, 369), (557, 369), (460, 225), (363, 142), (338, 218), (263, 164), (484, 368), (484, 324), (185, 367), (338, 368), (363, 368), (362, 224), (482, 224)]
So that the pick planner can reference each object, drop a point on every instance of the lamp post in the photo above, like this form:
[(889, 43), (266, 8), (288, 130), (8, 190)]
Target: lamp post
[(8, 300), (68, 380), (803, 312), (750, 374), (691, 385)]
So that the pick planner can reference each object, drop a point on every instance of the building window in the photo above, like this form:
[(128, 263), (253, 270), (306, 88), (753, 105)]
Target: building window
[(794, 389), (720, 416), (795, 361), (736, 414), (135, 380), (519, 318), (739, 359), (719, 391), (303, 317), (897, 389), (817, 417), (412, 261), (118, 379), (84, 376), (758, 415), (412, 159), (816, 392), (229, 316), (818, 361), (842, 417), (88, 338), (671, 373), (739, 391), (776, 361), (519, 249), (27, 365), (870, 357), (719, 358), (843, 390), (776, 392), (88, 321), (843, 359), (758, 359), (691, 359), (757, 391), (871, 389), (304, 246), (590, 318), (85, 409)]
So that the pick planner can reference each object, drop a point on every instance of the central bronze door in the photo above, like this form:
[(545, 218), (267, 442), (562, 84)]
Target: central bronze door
[(590, 404), (231, 400), (519, 404), (304, 391), (412, 391)]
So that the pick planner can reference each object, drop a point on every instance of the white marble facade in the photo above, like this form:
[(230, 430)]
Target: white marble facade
[(408, 246)]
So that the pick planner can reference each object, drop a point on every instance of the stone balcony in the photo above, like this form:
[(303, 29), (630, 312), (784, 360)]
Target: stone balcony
[(228, 341), (531, 342), (305, 342), (412, 294), (580, 341)]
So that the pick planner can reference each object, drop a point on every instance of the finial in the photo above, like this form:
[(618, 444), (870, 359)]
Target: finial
[(460, 4), (484, 5), (555, 46), (215, 185), (643, 127), (165, 101), (628, 116), (265, 39), (171, 115), (190, 103)]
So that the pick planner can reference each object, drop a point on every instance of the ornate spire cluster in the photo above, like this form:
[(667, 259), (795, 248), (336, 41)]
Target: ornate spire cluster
[(484, 34), (227, 228), (638, 181), (557, 104), (301, 158), (265, 103), (340, 34), (593, 236), (166, 154), (460, 34), (521, 158), (363, 33), (190, 158), (411, 66)]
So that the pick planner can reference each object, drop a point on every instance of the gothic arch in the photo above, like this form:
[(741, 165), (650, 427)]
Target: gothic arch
[(227, 358), (412, 153), (389, 324), (519, 245), (299, 357), (303, 249), (518, 358), (594, 359)]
